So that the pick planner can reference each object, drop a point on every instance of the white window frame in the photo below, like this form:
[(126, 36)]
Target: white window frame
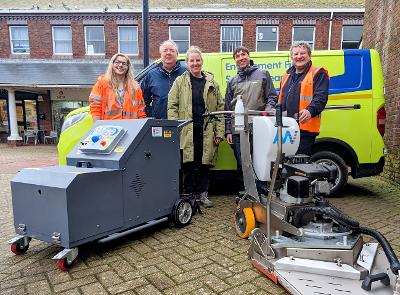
[(277, 36), (104, 40), (183, 26), (313, 27), (54, 41), (12, 44), (137, 40), (220, 38), (344, 26)]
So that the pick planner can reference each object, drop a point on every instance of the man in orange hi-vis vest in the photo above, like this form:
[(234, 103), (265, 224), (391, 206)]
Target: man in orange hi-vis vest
[(116, 95), (304, 94)]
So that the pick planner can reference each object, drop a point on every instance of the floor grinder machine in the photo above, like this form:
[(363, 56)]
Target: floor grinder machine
[(122, 177), (298, 239)]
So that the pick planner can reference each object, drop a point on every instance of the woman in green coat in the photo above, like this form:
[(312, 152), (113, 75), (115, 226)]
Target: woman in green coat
[(194, 93)]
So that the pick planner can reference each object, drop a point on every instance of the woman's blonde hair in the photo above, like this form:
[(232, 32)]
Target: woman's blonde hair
[(129, 83), (194, 49)]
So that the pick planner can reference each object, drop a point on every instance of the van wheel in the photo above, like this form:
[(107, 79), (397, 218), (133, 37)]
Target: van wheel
[(331, 158)]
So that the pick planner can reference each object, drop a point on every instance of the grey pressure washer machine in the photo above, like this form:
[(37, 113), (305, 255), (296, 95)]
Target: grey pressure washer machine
[(122, 177)]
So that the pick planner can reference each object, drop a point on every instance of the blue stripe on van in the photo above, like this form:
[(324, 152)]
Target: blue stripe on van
[(357, 75)]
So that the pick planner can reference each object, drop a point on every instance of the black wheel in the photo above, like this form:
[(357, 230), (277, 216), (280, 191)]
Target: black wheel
[(182, 213), (18, 249), (334, 159)]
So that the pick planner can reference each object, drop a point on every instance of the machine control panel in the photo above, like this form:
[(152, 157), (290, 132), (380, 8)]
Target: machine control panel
[(102, 140)]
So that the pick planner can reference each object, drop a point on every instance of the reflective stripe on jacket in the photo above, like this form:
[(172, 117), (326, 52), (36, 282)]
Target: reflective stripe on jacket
[(306, 96), (104, 102)]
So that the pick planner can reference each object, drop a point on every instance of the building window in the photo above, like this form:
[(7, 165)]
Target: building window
[(181, 36), (267, 38), (231, 37), (304, 34), (94, 39), (62, 40), (128, 40), (351, 37), (19, 39)]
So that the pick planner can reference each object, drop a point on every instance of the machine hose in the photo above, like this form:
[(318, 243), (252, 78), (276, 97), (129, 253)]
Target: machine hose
[(338, 216), (345, 220), (390, 255)]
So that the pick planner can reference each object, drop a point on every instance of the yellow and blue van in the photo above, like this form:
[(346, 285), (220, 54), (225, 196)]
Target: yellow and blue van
[(350, 139)]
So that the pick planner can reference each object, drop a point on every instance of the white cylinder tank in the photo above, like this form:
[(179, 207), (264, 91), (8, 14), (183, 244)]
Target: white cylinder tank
[(265, 143)]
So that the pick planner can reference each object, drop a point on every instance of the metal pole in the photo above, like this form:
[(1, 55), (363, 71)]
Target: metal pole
[(145, 26)]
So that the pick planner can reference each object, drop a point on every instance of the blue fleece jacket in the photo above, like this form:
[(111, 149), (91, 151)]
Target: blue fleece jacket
[(155, 87)]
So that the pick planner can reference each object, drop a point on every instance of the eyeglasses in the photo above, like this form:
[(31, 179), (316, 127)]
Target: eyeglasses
[(120, 63)]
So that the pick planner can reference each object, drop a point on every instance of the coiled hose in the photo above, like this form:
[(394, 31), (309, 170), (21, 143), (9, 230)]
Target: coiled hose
[(353, 225)]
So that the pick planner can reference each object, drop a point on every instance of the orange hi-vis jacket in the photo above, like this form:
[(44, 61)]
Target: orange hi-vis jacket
[(306, 96), (104, 102)]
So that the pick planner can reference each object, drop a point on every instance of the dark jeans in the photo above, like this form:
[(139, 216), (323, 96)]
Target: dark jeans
[(307, 141), (195, 178), (236, 151)]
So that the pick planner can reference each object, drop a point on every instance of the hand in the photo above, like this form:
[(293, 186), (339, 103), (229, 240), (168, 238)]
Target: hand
[(229, 138), (217, 140), (305, 116)]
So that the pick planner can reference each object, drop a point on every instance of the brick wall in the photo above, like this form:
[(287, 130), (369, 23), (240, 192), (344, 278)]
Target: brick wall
[(78, 37), (159, 32), (336, 34), (285, 34), (111, 38), (4, 40), (382, 31), (40, 39), (249, 34), (203, 32), (321, 34), (206, 34)]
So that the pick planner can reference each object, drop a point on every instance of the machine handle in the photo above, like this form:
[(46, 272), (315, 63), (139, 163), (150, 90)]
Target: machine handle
[(278, 115), (183, 123)]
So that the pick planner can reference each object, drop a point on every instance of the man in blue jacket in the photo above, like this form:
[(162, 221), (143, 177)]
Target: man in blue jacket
[(158, 81)]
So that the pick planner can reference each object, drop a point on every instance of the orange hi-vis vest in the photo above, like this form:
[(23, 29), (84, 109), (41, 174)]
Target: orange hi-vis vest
[(104, 102), (306, 96)]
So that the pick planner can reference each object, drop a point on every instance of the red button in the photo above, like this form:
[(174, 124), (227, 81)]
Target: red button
[(103, 142)]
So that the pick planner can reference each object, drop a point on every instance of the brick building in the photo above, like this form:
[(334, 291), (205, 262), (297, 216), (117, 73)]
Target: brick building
[(382, 31), (51, 54)]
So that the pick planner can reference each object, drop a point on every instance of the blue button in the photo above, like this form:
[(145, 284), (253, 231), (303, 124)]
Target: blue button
[(95, 138)]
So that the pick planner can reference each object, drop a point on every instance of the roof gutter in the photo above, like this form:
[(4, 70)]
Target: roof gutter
[(46, 85), (221, 10)]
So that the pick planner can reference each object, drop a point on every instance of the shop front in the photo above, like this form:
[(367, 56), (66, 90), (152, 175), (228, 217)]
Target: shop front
[(27, 113)]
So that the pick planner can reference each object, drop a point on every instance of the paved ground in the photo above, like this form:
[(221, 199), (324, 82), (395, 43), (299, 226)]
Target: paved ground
[(203, 258)]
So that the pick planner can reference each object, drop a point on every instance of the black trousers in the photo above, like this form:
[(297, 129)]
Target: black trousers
[(195, 178), (236, 151), (307, 141)]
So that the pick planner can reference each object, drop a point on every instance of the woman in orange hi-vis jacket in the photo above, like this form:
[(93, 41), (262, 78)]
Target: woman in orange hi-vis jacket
[(116, 95)]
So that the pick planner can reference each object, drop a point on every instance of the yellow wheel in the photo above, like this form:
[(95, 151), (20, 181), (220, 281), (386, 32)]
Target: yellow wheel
[(245, 222)]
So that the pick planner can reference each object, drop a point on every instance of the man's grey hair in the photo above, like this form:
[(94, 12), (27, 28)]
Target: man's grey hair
[(169, 42), (303, 44)]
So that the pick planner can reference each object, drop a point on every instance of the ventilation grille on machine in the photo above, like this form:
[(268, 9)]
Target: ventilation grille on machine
[(137, 184)]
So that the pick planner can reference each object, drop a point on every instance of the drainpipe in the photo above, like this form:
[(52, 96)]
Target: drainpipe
[(12, 113), (330, 30)]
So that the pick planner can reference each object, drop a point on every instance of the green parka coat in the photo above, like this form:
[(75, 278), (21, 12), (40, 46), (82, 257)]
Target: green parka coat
[(180, 108)]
